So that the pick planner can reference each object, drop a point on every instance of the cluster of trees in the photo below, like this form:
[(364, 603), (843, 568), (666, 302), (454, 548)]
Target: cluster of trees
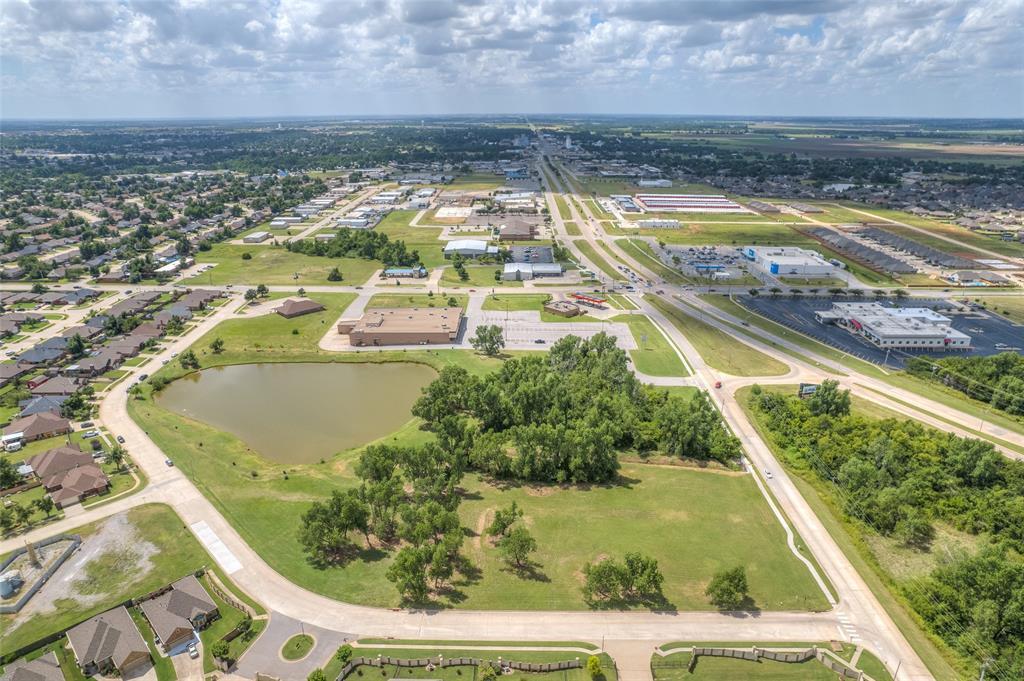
[(562, 417), (998, 379), (358, 243), (513, 540), (424, 521), (898, 478), (637, 579)]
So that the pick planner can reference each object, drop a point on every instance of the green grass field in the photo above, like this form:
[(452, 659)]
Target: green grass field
[(421, 239), (724, 233), (563, 519), (415, 300), (466, 673), (1011, 307), (275, 266), (655, 355), (515, 302), (673, 667), (572, 229), (719, 350), (480, 276), (476, 182)]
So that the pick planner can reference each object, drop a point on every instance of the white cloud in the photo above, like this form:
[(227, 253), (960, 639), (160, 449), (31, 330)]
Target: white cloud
[(235, 57)]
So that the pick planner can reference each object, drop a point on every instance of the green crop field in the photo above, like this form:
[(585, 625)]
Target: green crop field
[(275, 266)]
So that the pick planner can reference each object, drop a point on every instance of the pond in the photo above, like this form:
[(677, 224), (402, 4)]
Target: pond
[(301, 413)]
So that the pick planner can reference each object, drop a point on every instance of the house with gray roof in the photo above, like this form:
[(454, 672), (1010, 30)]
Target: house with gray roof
[(176, 614), (107, 642), (45, 668)]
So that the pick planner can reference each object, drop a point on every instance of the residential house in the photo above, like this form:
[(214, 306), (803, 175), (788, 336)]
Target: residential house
[(38, 426), (107, 642), (38, 405), (54, 462), (76, 485), (298, 307), (11, 371), (58, 385), (39, 355), (100, 363), (45, 668), (176, 614)]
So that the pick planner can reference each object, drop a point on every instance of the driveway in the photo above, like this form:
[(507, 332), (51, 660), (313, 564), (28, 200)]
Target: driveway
[(187, 669), (264, 655)]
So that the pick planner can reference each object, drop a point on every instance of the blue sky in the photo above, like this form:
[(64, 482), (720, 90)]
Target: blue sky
[(182, 58)]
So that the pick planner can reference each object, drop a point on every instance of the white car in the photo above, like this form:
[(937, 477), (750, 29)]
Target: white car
[(193, 652), (768, 474), (173, 355)]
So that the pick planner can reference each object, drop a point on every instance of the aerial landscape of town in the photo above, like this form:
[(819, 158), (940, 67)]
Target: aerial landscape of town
[(391, 383)]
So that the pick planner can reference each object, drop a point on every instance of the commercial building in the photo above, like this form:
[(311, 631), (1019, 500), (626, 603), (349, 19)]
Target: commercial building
[(589, 300), (899, 328), (524, 271), (256, 237), (469, 248), (690, 203), (657, 224), (763, 206), (806, 208), (517, 231), (562, 308), (655, 183), (404, 326), (789, 261), (404, 272), (297, 307)]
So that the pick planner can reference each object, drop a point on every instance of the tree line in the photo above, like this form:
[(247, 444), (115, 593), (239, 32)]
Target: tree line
[(563, 417), (898, 478), (358, 243), (998, 379)]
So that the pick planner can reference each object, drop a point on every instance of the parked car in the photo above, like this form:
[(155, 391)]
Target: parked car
[(718, 384), (143, 377), (169, 463), (193, 652), (166, 361), (92, 433), (173, 355), (120, 439), (86, 424)]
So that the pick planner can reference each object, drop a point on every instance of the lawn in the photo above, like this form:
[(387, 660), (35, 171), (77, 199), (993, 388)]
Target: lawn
[(598, 260), (275, 266), (465, 673), (655, 355), (673, 667), (725, 233), (480, 276), (1011, 307), (515, 302), (563, 207), (720, 350), (163, 666), (297, 647), (415, 300), (572, 229), (112, 578), (421, 239)]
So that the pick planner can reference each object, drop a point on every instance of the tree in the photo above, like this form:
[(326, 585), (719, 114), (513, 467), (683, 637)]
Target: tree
[(247, 256), (488, 340), (327, 524), (829, 400), (8, 474), (76, 346), (217, 346), (220, 650), (250, 295), (517, 546), (641, 577), (728, 588), (262, 291), (344, 654), (22, 514), (603, 580), (594, 667), (302, 292), (503, 520), (45, 504), (7, 520), (487, 672), (408, 573), (117, 455), (188, 360), (334, 274), (317, 675)]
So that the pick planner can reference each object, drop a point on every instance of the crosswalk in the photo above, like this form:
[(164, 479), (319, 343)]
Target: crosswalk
[(847, 630)]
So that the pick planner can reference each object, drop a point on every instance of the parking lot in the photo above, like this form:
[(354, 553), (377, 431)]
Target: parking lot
[(522, 329), (989, 334)]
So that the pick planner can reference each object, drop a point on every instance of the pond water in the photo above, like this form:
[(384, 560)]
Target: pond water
[(301, 413)]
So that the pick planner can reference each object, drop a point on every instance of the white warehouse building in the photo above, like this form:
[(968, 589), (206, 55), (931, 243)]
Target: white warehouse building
[(783, 261), (899, 328), (469, 248)]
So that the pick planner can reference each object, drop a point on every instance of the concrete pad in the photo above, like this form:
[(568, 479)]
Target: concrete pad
[(218, 549)]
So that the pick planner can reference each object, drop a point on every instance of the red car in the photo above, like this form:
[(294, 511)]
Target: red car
[(718, 384)]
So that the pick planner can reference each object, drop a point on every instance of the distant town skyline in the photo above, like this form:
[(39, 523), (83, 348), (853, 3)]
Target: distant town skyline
[(123, 59)]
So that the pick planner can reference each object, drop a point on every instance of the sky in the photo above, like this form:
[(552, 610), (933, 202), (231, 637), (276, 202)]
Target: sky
[(224, 58)]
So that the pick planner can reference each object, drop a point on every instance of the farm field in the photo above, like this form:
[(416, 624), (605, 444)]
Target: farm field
[(275, 266)]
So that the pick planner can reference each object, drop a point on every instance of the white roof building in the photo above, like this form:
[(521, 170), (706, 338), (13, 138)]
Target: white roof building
[(916, 328), (470, 248)]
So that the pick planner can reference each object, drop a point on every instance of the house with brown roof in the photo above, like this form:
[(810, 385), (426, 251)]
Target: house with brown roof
[(57, 385), (107, 642), (39, 426), (176, 614), (296, 307), (93, 366), (10, 371), (45, 668), (58, 460), (77, 485)]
